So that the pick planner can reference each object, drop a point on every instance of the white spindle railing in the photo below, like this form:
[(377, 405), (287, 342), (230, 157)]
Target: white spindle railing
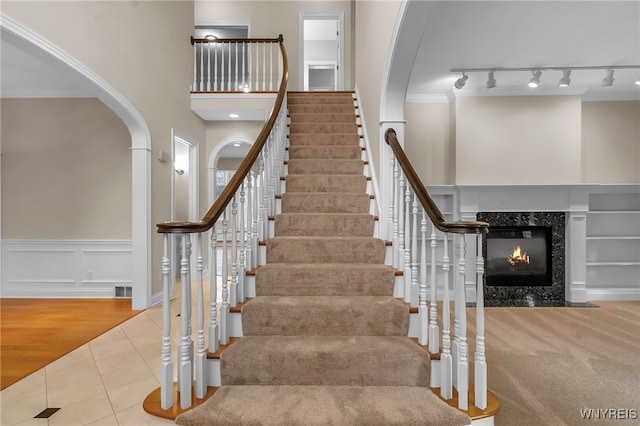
[(239, 217), (227, 65), (409, 201)]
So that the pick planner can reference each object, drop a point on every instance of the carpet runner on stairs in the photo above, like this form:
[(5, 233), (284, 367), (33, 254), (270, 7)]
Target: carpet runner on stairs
[(324, 340)]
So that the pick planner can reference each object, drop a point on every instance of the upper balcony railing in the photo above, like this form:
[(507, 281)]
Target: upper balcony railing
[(236, 65)]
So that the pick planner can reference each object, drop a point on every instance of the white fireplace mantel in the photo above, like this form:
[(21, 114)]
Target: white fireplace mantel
[(573, 200)]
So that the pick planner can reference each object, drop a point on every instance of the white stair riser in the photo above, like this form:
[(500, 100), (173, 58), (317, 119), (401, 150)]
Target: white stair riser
[(250, 285), (434, 376), (235, 324), (213, 373), (414, 325)]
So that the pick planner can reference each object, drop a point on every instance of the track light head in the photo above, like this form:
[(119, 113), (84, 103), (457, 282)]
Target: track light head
[(535, 80), (565, 81), (459, 84), (608, 79), (491, 81)]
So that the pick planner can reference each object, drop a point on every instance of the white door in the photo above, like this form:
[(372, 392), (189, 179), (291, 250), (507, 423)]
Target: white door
[(321, 55)]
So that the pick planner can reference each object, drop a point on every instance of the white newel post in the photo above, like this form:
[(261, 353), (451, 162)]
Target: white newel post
[(166, 370), (213, 292), (480, 367), (185, 374), (201, 355)]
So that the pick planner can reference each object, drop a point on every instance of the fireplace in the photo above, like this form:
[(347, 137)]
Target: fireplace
[(524, 258), (519, 256)]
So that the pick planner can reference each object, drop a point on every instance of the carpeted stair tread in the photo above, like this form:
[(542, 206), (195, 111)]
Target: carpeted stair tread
[(325, 250), (342, 108), (325, 360), (340, 139), (325, 316), (320, 202), (323, 117), (324, 405), (326, 183), (324, 224), (324, 279), (323, 128), (325, 152), (317, 166)]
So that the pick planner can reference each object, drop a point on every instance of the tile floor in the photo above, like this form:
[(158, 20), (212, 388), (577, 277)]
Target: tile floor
[(103, 382)]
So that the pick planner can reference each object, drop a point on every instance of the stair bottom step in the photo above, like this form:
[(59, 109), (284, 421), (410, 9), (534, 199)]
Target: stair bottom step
[(323, 405)]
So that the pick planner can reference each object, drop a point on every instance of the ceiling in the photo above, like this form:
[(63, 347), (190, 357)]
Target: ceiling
[(529, 34), (459, 34)]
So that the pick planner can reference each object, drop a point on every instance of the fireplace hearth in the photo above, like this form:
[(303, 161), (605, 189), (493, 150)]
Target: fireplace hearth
[(524, 258)]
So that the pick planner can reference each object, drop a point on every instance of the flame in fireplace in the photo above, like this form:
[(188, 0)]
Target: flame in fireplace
[(518, 257)]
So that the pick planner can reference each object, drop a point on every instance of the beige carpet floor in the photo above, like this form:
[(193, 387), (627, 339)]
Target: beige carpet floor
[(548, 364)]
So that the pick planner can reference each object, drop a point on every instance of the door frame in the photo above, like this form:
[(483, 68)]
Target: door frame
[(320, 15)]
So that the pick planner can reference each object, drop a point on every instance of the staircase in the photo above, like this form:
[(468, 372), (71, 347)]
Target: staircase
[(324, 340)]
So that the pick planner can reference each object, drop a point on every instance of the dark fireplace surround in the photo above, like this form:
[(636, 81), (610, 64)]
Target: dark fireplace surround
[(509, 292)]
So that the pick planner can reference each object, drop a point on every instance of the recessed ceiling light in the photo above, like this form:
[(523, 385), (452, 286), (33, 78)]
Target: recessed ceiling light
[(234, 115), (236, 144), (210, 37)]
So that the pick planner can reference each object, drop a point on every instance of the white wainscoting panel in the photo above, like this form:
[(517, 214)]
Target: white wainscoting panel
[(65, 268)]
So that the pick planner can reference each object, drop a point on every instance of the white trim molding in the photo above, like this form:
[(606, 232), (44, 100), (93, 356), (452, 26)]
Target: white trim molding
[(65, 268)]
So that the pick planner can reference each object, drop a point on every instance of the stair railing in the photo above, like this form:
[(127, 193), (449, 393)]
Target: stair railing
[(250, 193), (410, 211), (235, 65)]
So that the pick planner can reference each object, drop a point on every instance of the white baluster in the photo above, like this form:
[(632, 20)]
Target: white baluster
[(185, 376), (446, 361), (257, 75), (414, 260), (166, 370), (201, 67), (463, 363), (229, 86), (434, 332), (201, 356), (407, 244), (396, 215), (254, 214), (235, 83), (194, 85), (244, 46), (243, 248), (213, 292), (264, 66), (271, 67), (222, 67), (400, 206), (215, 67), (480, 366), (224, 308), (233, 293), (423, 310), (249, 255), (208, 67), (391, 198)]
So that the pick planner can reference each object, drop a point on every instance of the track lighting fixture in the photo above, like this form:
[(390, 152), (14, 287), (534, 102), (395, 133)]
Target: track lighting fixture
[(608, 79), (565, 81), (491, 81), (459, 84), (537, 72), (535, 80)]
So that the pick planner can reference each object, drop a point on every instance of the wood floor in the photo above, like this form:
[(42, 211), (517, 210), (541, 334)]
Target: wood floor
[(35, 332)]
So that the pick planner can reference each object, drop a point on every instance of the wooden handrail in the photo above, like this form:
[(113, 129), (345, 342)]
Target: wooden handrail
[(427, 202), (223, 200), (236, 40)]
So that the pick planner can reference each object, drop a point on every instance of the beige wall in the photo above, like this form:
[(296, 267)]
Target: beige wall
[(530, 141), (66, 170), (518, 140), (142, 49), (375, 23), (427, 129), (611, 142), (267, 19), (218, 132)]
